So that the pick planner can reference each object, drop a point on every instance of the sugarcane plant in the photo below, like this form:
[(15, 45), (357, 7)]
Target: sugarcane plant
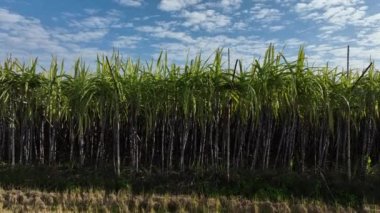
[(206, 114)]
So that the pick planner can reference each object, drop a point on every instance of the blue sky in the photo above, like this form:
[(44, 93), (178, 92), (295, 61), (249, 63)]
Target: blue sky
[(140, 28)]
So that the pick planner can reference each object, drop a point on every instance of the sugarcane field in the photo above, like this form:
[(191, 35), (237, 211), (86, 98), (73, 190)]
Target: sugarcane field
[(183, 106)]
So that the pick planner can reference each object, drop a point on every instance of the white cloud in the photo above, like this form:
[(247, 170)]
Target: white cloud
[(227, 4), (371, 21), (294, 42), (24, 34), (335, 55), (262, 13), (370, 39), (332, 16), (89, 28), (81, 36), (130, 3), (6, 17), (95, 22), (144, 18), (25, 37), (276, 28), (242, 47), (329, 29), (285, 3), (240, 25), (163, 32), (174, 5), (337, 12), (208, 5), (207, 19), (126, 41), (91, 11), (323, 4)]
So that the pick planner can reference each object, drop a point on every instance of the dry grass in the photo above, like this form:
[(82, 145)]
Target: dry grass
[(100, 201)]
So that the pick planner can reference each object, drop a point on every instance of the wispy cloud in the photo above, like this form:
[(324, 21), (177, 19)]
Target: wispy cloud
[(335, 55), (92, 22), (174, 5), (91, 11), (262, 13), (323, 4), (24, 34), (130, 3), (286, 3), (207, 19), (81, 36), (26, 37), (329, 29), (231, 4), (370, 38), (109, 21), (239, 25), (126, 41), (276, 28), (242, 47), (163, 32), (92, 27), (336, 12)]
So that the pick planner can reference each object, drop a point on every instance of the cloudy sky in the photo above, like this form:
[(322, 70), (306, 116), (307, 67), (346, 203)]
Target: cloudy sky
[(141, 28)]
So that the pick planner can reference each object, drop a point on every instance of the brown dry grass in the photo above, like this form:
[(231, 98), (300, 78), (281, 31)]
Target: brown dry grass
[(100, 201)]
